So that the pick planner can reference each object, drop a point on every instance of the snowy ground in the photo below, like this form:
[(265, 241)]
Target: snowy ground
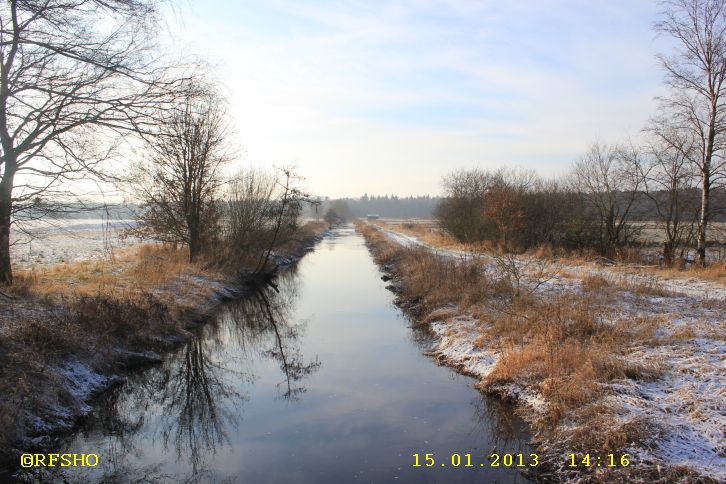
[(687, 404), (44, 243)]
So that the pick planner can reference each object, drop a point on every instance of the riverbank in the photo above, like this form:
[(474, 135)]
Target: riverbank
[(71, 331), (598, 364), (322, 372)]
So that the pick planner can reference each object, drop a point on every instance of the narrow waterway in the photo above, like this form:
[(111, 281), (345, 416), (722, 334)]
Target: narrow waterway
[(320, 381)]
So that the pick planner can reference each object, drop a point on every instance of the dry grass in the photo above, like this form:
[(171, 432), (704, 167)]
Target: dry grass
[(134, 270), (43, 335), (615, 287), (595, 282), (570, 353), (430, 281), (426, 230), (429, 232), (566, 347), (714, 272)]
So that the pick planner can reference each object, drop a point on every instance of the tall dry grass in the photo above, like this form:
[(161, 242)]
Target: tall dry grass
[(134, 270), (426, 231), (565, 347), (45, 335)]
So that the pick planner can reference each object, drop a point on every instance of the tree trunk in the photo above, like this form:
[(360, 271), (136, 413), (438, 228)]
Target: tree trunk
[(703, 221), (193, 242), (193, 230), (668, 252), (6, 205), (193, 249), (706, 182)]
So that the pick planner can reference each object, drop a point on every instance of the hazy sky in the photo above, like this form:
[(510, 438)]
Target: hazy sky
[(385, 97)]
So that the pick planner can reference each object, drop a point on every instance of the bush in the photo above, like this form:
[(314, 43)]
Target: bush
[(515, 210)]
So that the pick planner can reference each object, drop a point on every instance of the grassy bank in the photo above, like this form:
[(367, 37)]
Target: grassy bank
[(70, 331), (597, 365), (428, 233)]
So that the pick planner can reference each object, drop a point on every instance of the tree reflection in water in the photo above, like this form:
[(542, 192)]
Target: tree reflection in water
[(192, 404), (271, 307), (198, 403), (196, 397)]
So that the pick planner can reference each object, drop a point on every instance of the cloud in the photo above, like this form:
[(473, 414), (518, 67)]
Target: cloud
[(385, 97)]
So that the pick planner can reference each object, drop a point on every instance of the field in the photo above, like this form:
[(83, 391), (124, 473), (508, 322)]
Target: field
[(39, 244), (641, 262)]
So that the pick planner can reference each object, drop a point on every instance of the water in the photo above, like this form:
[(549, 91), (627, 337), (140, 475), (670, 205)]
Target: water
[(323, 381)]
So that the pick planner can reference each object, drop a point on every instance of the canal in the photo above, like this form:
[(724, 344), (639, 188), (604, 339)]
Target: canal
[(319, 380)]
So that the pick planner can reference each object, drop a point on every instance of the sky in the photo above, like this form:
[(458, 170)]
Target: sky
[(387, 97)]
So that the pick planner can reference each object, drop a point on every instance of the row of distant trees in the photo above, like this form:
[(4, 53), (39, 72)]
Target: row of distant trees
[(675, 177), (389, 206)]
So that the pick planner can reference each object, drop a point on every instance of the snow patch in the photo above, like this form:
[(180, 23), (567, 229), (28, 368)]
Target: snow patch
[(83, 382), (457, 344)]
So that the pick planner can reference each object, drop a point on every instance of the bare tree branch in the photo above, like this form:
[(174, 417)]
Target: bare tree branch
[(75, 76)]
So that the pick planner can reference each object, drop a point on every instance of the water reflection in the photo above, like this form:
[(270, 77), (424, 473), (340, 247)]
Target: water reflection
[(248, 400), (198, 404), (199, 393), (266, 313), (197, 396)]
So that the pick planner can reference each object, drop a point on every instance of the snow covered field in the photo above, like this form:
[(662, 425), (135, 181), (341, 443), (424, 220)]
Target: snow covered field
[(686, 404), (43, 243)]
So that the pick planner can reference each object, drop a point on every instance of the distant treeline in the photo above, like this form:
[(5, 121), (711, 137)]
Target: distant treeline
[(388, 206), (76, 210)]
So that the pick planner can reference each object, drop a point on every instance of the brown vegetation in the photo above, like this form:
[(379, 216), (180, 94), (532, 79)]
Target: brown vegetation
[(565, 348), (430, 233), (131, 270), (43, 338), (602, 207), (180, 183), (77, 77)]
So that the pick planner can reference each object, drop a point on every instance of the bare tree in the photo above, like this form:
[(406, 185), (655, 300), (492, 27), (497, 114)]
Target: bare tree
[(528, 273), (332, 217), (695, 76), (609, 179), (505, 204), (341, 209), (461, 211), (73, 76), (180, 183), (286, 211), (248, 214), (261, 213), (669, 184), (514, 208)]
